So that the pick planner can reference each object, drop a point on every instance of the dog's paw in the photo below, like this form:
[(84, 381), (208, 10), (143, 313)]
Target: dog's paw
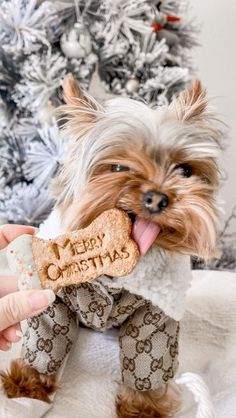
[(128, 409), (162, 403), (24, 381)]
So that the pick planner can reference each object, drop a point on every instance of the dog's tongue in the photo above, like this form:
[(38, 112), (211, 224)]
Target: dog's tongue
[(144, 234)]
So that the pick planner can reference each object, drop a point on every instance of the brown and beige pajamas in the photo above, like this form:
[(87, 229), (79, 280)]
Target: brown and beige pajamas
[(148, 338)]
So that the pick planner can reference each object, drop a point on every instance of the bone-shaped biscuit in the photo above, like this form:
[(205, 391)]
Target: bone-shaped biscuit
[(104, 247)]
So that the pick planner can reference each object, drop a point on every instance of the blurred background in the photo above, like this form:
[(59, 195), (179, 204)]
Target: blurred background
[(216, 67)]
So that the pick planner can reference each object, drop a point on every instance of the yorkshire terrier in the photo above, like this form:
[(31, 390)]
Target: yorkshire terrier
[(160, 166)]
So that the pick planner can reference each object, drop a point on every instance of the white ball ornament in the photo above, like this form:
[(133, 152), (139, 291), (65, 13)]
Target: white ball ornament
[(76, 42), (132, 85)]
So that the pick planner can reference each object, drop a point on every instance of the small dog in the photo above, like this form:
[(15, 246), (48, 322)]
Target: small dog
[(159, 166)]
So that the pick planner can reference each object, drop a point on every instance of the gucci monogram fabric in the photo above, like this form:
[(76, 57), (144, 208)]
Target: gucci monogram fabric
[(148, 338), (49, 338)]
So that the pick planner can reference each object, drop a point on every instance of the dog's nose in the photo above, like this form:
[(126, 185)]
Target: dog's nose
[(155, 202)]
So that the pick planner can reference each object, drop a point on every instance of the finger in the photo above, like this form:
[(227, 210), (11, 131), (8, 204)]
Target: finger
[(8, 284), (13, 334), (4, 345), (21, 305), (9, 232)]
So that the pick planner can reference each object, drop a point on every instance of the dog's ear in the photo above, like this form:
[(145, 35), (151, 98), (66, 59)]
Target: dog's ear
[(80, 109), (71, 91), (191, 104), (191, 107), (75, 96)]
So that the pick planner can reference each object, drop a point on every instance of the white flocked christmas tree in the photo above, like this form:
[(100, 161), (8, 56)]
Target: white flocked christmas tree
[(136, 48)]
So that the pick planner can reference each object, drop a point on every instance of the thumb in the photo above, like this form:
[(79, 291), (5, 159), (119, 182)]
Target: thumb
[(9, 232), (22, 305)]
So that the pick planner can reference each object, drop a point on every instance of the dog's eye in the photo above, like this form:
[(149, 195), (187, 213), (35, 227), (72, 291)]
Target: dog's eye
[(185, 170), (117, 168)]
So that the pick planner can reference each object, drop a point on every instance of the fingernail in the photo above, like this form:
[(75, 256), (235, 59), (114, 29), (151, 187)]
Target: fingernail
[(19, 333), (41, 299)]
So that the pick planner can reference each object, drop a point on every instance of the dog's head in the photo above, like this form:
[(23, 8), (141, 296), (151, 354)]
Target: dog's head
[(158, 165)]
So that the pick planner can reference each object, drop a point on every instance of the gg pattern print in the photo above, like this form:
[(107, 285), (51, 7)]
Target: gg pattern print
[(148, 338)]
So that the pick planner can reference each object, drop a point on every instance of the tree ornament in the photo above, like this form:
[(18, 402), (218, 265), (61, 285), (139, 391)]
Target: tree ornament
[(162, 19), (132, 84), (76, 42), (162, 28)]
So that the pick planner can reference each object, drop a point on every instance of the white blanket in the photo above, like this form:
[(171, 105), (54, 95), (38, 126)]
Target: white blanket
[(91, 375)]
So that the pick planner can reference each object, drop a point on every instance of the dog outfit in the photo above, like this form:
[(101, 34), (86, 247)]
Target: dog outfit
[(146, 306)]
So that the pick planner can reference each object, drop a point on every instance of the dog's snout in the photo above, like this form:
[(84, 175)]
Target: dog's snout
[(155, 202)]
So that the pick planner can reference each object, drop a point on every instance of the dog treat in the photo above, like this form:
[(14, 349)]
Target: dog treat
[(104, 247)]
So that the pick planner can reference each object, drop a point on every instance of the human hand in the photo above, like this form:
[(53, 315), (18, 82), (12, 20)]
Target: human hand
[(16, 306)]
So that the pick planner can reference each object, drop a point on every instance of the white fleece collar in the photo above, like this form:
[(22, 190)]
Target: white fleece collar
[(160, 277)]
